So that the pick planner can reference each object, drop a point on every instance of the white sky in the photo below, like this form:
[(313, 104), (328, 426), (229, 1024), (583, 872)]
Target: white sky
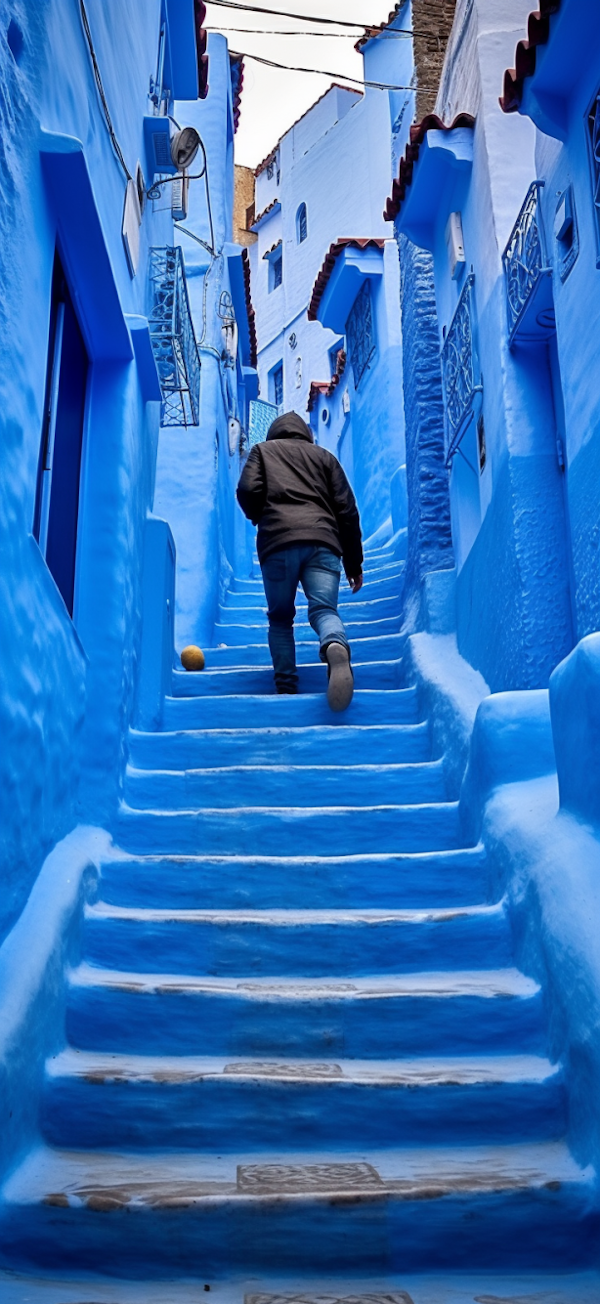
[(272, 99)]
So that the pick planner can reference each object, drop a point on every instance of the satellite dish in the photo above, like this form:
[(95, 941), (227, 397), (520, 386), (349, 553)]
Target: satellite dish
[(184, 147)]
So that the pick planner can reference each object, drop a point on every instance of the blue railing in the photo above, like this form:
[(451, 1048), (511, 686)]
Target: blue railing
[(526, 266), (173, 339), (459, 370)]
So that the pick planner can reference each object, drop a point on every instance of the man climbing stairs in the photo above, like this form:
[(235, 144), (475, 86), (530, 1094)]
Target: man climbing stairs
[(297, 1049)]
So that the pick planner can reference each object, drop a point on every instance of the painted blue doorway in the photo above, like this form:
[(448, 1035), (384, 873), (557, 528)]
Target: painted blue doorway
[(59, 475)]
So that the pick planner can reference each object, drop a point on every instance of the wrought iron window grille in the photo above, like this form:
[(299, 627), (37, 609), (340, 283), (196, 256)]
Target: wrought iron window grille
[(460, 371), (566, 232), (526, 267), (173, 339), (594, 139), (360, 333)]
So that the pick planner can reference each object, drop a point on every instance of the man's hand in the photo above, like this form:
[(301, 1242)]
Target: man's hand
[(356, 585)]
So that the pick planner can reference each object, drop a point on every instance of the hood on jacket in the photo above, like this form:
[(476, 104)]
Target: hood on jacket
[(290, 426)]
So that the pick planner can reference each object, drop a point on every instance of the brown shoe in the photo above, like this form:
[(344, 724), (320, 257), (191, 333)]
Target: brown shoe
[(341, 679)]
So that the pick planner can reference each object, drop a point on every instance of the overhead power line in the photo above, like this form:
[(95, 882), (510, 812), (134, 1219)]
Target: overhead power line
[(327, 36), (282, 13), (322, 72)]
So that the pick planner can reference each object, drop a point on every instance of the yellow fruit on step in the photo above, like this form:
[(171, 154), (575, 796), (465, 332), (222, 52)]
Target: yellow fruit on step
[(192, 658)]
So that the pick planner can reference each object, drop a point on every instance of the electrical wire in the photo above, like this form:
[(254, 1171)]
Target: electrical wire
[(101, 92), (327, 36), (281, 13), (369, 30), (322, 72)]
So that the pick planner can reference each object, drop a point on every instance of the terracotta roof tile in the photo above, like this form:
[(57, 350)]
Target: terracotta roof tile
[(265, 213), (278, 245), (327, 387), (418, 133), (333, 253), (538, 32), (372, 32), (236, 63), (250, 309)]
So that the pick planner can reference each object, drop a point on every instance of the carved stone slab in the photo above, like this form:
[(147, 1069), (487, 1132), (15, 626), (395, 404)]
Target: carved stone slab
[(267, 1069), (398, 1297), (285, 1178)]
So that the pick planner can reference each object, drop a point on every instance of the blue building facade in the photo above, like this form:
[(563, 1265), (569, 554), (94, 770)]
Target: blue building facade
[(289, 1001), (99, 350), (320, 188)]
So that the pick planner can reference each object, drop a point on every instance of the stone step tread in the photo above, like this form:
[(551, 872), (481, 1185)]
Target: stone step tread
[(99, 1067), (487, 984), (294, 812), (101, 1181), (291, 733), (451, 1288), (368, 706), (293, 918), (388, 769)]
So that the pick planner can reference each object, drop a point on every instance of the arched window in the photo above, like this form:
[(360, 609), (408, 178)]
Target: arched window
[(301, 224)]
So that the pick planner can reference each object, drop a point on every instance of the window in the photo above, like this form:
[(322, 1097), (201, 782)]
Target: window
[(360, 333), (59, 471), (275, 270), (301, 224), (594, 140), (566, 233), (276, 386)]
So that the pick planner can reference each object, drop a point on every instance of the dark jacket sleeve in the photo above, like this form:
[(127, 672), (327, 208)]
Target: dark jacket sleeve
[(348, 520), (252, 488)]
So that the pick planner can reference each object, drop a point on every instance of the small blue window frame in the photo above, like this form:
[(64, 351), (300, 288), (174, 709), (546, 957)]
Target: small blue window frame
[(301, 224)]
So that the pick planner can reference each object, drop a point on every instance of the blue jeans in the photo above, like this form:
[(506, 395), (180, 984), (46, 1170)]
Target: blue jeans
[(318, 570)]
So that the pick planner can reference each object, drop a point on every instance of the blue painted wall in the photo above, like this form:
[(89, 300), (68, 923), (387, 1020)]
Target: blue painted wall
[(339, 160), (198, 468), (509, 526), (67, 687)]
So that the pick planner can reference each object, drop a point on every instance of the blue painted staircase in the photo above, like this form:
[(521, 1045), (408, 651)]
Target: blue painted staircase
[(296, 1042)]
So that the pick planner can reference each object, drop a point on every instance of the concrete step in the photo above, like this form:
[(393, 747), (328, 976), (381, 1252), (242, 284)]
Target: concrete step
[(360, 632), (276, 785), (383, 647), (358, 609), (309, 943), (314, 745), (515, 1207), (451, 1013), (449, 1287), (293, 831), (375, 881), (211, 1104), (187, 710), (386, 569), (249, 681), (379, 586)]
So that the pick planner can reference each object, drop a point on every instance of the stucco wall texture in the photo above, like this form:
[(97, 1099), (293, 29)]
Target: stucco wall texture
[(62, 679)]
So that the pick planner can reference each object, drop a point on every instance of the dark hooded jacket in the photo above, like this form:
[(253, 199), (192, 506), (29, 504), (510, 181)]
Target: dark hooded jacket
[(297, 493)]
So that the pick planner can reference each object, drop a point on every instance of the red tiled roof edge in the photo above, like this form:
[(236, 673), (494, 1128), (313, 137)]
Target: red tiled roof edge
[(316, 387), (335, 86), (237, 60), (265, 212), (329, 261), (538, 31), (250, 309), (372, 32), (418, 132), (327, 387)]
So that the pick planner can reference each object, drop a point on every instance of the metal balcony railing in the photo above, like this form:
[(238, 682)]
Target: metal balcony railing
[(173, 339), (460, 371), (528, 272)]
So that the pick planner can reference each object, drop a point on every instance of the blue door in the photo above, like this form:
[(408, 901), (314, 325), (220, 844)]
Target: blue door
[(57, 500)]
